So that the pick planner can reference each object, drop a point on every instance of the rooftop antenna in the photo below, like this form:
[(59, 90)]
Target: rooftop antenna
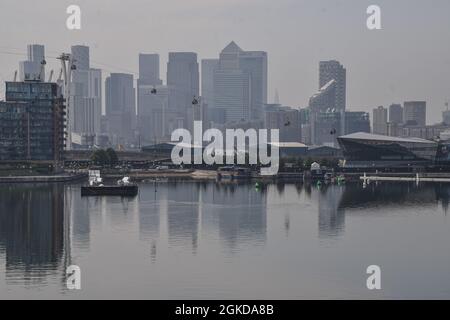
[(15, 76)]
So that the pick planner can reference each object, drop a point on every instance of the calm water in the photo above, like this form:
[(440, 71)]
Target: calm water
[(191, 240)]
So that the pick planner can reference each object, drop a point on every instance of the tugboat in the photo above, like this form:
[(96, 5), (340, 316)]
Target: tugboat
[(96, 187)]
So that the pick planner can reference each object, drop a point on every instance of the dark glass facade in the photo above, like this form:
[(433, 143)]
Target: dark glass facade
[(32, 122), (372, 152)]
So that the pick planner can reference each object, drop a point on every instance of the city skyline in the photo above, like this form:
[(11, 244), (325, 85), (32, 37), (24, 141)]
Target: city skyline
[(379, 70)]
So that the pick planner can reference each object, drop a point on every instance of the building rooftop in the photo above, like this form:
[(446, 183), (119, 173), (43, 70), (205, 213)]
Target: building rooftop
[(288, 144), (378, 137)]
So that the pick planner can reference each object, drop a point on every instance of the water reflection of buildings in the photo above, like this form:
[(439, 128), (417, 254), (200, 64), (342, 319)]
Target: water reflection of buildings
[(331, 214), (235, 213), (32, 230), (335, 202), (394, 194), (238, 212)]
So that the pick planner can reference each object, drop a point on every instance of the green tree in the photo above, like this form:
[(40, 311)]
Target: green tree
[(308, 162), (112, 156), (100, 157)]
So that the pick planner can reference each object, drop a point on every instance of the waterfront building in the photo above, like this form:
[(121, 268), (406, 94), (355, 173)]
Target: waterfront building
[(324, 152), (32, 122), (373, 150), (290, 149)]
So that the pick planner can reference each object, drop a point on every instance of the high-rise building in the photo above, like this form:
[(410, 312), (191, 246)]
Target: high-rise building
[(333, 70), (254, 63), (446, 117), (149, 69), (327, 126), (33, 69), (156, 120), (380, 120), (324, 99), (86, 97), (120, 108), (81, 57), (415, 113), (150, 103), (240, 85), (396, 113), (183, 78), (209, 67), (324, 116), (327, 106), (36, 52), (357, 121), (285, 119), (32, 122)]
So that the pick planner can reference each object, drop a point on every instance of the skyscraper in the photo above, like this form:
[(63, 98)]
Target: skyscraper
[(396, 113), (149, 105), (240, 85), (333, 70), (209, 67), (86, 96), (36, 52), (183, 79), (415, 113), (380, 119), (326, 121), (120, 107), (81, 57), (34, 68), (254, 63), (285, 119), (149, 69)]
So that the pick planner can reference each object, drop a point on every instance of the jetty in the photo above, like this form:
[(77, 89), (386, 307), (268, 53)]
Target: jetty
[(436, 177)]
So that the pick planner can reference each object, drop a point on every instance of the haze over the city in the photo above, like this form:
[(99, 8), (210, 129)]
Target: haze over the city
[(409, 59)]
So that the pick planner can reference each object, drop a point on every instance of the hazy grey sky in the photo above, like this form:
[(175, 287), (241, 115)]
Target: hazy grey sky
[(409, 59)]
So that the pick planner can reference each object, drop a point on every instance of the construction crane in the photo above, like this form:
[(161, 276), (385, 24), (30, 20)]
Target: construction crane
[(50, 78), (60, 75), (41, 74)]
